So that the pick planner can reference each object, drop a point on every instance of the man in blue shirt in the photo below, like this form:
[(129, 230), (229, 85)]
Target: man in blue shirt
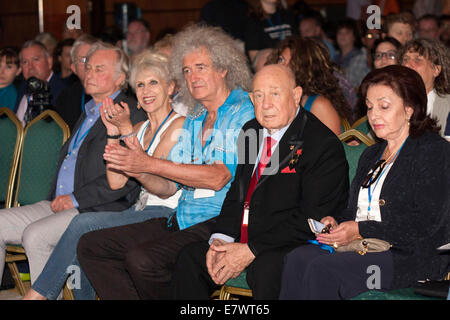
[(80, 184), (135, 261)]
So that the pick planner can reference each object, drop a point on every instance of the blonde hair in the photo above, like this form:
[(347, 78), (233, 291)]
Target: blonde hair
[(149, 60)]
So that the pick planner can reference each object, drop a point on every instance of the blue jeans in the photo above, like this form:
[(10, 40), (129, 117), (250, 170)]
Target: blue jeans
[(63, 262)]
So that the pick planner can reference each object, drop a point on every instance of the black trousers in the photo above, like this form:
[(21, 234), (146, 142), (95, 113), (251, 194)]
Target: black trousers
[(191, 280), (312, 273), (136, 261)]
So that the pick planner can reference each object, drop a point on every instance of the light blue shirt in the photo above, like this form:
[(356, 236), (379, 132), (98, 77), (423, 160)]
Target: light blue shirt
[(221, 146), (66, 175)]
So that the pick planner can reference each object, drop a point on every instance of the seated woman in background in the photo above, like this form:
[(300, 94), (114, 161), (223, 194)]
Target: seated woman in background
[(399, 195), (9, 70), (310, 61), (150, 78), (385, 52)]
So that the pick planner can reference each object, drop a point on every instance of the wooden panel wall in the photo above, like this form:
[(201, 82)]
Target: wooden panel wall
[(19, 19)]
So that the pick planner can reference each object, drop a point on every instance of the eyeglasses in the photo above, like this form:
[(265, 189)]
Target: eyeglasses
[(374, 173), (389, 55), (81, 60)]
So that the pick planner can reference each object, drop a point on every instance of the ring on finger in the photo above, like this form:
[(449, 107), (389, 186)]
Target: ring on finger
[(335, 245)]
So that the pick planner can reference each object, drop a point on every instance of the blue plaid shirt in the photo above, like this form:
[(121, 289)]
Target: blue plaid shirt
[(221, 146)]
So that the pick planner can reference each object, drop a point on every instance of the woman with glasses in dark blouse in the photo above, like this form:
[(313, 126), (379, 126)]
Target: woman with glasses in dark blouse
[(400, 194)]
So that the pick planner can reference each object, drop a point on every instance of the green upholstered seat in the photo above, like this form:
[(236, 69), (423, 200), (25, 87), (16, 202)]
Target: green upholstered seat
[(43, 139), (239, 282), (352, 154), (399, 294), (11, 133)]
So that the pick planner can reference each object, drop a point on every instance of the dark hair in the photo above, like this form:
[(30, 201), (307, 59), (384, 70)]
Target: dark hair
[(351, 25), (391, 40), (64, 43), (144, 23), (11, 55), (408, 85), (255, 8), (313, 69)]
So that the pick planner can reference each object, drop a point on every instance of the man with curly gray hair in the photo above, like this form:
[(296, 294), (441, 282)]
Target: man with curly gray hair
[(431, 59), (213, 76)]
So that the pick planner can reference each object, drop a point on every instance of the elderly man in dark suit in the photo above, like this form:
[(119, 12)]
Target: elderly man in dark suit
[(298, 172), (80, 183)]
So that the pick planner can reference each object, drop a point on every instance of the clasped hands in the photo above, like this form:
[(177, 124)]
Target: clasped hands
[(227, 260), (340, 234)]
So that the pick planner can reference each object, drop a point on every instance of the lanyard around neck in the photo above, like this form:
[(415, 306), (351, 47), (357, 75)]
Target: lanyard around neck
[(157, 130), (379, 178)]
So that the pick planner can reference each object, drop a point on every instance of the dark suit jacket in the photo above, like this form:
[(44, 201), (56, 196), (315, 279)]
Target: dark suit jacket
[(415, 216), (282, 202), (91, 188), (68, 103), (55, 84)]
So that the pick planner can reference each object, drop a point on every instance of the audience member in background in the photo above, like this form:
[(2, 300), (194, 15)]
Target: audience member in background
[(138, 37), (431, 59), (72, 99), (311, 26), (402, 199), (62, 62), (165, 46), (35, 62), (71, 33), (261, 59), (351, 58), (385, 51), (444, 30), (400, 26), (230, 15), (48, 40), (428, 27), (9, 70), (80, 183), (277, 203), (309, 60), (369, 37), (150, 77), (268, 23), (136, 261)]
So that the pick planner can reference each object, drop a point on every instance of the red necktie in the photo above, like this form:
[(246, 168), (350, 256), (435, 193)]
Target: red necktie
[(264, 160)]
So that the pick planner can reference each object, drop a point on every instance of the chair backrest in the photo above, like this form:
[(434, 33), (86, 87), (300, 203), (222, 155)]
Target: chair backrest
[(43, 139), (11, 137), (354, 151), (345, 125), (362, 125)]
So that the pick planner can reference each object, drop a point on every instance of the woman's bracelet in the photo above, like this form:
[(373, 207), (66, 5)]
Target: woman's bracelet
[(132, 134)]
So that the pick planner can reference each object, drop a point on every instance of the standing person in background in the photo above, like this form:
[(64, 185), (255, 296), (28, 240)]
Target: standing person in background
[(267, 24)]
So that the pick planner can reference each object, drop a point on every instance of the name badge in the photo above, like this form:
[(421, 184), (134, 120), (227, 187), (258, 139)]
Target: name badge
[(245, 219), (203, 193)]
